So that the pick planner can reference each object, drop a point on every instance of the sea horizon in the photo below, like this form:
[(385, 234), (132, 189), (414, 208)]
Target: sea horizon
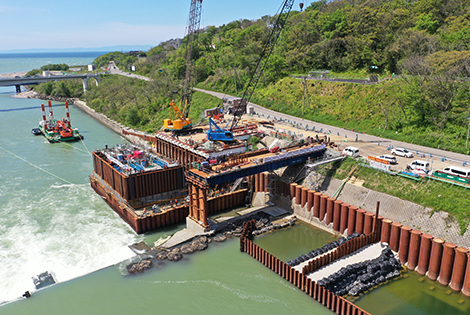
[(105, 49)]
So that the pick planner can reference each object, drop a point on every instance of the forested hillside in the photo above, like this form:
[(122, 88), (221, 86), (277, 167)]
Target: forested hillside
[(421, 47)]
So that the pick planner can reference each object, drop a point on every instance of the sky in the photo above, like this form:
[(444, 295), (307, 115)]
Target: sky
[(59, 24)]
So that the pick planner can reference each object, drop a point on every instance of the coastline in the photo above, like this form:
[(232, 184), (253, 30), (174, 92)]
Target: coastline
[(13, 74)]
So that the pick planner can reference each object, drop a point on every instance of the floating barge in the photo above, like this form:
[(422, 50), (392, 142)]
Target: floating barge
[(57, 130)]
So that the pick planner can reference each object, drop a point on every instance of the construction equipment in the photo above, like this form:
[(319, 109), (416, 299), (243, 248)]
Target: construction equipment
[(227, 134), (215, 113), (216, 133), (181, 121)]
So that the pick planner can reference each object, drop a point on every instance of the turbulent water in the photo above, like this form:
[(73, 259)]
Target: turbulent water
[(50, 218)]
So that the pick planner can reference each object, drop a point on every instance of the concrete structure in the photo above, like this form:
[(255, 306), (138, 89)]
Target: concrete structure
[(175, 43), (37, 79), (232, 104)]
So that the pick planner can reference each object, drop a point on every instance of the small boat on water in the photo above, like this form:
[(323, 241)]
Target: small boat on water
[(36, 131), (57, 130), (43, 280)]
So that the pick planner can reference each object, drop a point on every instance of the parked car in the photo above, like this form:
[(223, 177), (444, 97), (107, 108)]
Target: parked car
[(390, 158), (457, 171), (418, 165), (351, 151), (402, 152)]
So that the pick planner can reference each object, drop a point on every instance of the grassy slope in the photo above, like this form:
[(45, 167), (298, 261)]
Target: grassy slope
[(358, 107), (429, 193)]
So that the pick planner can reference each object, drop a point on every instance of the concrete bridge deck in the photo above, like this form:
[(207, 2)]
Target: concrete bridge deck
[(18, 81)]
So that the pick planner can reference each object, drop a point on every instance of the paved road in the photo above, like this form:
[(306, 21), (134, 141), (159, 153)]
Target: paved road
[(113, 69), (369, 145)]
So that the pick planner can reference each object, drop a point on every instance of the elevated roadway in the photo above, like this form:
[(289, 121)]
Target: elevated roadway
[(18, 81)]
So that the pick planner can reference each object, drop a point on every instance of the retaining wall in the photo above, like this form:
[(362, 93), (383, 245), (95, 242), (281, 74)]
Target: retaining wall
[(439, 260), (336, 304), (153, 221)]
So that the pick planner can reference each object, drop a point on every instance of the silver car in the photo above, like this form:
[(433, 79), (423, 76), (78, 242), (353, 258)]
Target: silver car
[(389, 158), (402, 152)]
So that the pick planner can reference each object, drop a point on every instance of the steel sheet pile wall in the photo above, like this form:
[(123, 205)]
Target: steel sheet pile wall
[(167, 217), (154, 221), (119, 206), (139, 224), (139, 185), (226, 201), (156, 182), (439, 260), (167, 146), (322, 295)]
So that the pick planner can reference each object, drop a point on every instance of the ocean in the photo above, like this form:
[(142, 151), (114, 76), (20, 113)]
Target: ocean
[(10, 62)]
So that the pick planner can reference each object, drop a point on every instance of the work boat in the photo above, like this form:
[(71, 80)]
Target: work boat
[(58, 130)]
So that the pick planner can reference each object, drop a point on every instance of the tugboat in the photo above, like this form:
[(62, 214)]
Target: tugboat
[(57, 130)]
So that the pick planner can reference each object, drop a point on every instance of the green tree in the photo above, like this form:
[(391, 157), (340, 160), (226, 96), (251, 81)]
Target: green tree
[(133, 117), (425, 22)]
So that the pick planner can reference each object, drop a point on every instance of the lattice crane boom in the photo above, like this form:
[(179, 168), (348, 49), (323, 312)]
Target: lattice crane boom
[(267, 50), (192, 30), (182, 121)]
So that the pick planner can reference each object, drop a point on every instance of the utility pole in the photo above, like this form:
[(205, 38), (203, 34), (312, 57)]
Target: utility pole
[(235, 78), (468, 132), (308, 99), (303, 99)]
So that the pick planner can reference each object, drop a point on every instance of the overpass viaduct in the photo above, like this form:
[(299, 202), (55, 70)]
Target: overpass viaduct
[(36, 80)]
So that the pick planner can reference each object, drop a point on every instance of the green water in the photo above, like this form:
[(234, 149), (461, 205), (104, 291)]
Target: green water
[(288, 244), (415, 295), (220, 280)]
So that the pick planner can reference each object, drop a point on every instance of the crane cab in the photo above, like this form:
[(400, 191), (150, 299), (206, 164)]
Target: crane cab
[(177, 124)]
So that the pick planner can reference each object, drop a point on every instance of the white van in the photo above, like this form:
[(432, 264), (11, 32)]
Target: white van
[(351, 151), (419, 165), (457, 171)]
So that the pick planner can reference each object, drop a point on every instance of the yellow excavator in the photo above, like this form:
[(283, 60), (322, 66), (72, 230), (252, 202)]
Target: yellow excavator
[(181, 121)]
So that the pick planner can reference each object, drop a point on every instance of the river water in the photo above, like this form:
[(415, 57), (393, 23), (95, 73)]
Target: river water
[(50, 219)]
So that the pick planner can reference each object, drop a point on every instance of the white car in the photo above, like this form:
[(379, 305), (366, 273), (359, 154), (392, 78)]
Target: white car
[(351, 151), (389, 158), (419, 165), (402, 152)]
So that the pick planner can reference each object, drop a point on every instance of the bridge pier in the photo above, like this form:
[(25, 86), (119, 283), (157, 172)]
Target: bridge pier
[(85, 82), (18, 88)]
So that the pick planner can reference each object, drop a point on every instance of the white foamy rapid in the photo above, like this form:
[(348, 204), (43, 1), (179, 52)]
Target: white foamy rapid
[(68, 231)]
